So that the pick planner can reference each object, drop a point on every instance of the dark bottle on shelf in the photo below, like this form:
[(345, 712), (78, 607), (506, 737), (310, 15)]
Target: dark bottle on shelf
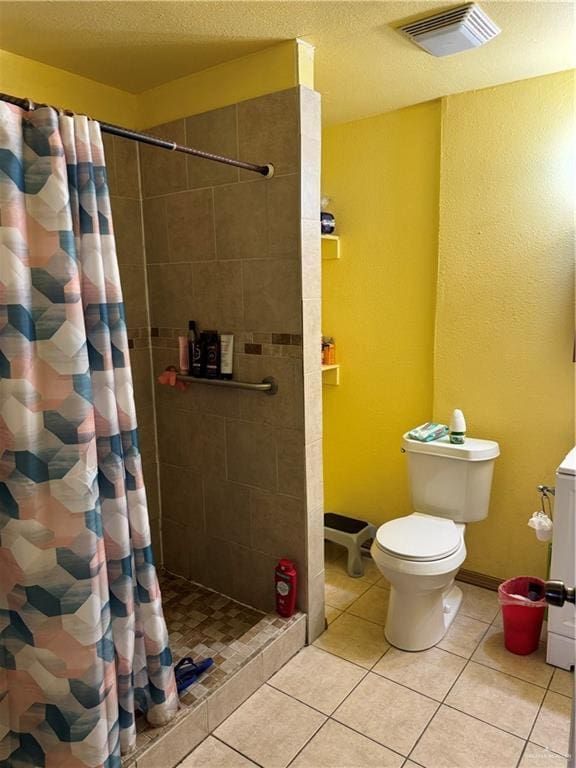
[(192, 340), (212, 345), (199, 357)]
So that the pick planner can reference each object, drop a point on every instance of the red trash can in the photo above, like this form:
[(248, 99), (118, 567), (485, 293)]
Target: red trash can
[(523, 605)]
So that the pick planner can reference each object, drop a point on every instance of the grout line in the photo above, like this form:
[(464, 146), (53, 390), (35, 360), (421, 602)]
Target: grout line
[(522, 751), (370, 737), (538, 714), (485, 722), (185, 159), (307, 704), (225, 184), (468, 660), (235, 482), (237, 137), (153, 393), (356, 664), (402, 685), (448, 706), (287, 257), (343, 725), (234, 749), (509, 674), (309, 739), (384, 746), (442, 703), (303, 747), (330, 718), (214, 235)]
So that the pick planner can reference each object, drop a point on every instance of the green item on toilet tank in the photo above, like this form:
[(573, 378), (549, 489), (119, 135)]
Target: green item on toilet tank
[(457, 427)]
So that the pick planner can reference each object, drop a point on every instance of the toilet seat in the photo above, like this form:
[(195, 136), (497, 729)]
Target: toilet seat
[(419, 538)]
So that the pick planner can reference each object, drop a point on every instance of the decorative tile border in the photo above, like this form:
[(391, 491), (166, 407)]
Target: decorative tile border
[(138, 338), (265, 344)]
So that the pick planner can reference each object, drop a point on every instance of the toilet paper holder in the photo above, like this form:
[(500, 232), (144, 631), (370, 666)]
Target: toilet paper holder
[(546, 491)]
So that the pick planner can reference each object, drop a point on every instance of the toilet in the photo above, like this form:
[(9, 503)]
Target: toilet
[(420, 554)]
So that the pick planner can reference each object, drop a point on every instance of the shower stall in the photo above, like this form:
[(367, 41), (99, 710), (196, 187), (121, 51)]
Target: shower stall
[(233, 476)]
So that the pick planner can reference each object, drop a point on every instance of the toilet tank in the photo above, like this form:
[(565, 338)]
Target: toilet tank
[(452, 481)]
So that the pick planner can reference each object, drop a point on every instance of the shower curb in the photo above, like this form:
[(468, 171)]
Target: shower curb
[(195, 722)]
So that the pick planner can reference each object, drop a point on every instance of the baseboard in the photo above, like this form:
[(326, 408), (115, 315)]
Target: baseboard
[(479, 579)]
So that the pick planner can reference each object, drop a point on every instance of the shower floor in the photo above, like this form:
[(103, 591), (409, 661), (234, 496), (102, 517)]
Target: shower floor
[(203, 623)]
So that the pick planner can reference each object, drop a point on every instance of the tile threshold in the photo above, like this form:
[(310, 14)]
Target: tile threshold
[(272, 640)]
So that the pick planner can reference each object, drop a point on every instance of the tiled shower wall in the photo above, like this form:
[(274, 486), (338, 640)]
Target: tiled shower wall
[(122, 165), (240, 471)]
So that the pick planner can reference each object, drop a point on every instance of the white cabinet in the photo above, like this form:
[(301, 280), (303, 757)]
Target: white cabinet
[(561, 649)]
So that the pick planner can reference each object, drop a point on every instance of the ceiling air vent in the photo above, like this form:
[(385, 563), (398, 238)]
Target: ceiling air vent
[(453, 31)]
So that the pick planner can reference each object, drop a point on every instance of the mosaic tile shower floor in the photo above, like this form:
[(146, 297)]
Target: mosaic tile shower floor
[(203, 623)]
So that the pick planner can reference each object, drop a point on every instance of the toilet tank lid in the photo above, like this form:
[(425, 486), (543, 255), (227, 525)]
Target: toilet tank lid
[(473, 449)]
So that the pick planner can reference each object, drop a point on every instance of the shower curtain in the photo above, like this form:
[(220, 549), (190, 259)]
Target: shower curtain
[(83, 641)]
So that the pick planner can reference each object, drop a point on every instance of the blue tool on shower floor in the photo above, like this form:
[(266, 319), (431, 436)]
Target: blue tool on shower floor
[(187, 672)]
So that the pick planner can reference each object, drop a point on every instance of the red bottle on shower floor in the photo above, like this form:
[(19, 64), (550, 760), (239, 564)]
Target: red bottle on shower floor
[(286, 583)]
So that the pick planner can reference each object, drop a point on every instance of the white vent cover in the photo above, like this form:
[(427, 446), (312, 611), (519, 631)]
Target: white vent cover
[(453, 31)]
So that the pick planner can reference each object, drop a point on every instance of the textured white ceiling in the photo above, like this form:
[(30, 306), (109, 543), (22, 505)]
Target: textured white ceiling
[(363, 66)]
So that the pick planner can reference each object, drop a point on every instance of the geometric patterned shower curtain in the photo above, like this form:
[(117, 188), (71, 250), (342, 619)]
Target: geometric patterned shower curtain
[(83, 641)]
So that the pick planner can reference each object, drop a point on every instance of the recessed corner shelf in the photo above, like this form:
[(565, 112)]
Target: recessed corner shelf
[(268, 385), (330, 247), (331, 375)]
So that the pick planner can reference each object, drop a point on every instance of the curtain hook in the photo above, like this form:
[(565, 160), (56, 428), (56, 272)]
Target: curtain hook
[(173, 147), (30, 105)]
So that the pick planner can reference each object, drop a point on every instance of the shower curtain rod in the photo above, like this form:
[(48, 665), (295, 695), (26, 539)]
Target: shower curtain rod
[(264, 170)]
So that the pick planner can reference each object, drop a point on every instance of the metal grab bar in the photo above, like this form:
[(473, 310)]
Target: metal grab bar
[(269, 385)]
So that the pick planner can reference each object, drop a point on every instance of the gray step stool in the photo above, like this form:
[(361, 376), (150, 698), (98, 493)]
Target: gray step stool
[(349, 533)]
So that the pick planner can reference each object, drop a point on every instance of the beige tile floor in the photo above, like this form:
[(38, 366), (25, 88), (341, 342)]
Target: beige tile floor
[(352, 701)]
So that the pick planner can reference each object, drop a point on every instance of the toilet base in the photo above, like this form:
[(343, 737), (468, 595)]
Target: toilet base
[(419, 620)]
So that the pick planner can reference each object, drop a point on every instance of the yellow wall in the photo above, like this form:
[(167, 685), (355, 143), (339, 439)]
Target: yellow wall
[(274, 69), (486, 184), (505, 317), (30, 79), (282, 66), (382, 176)]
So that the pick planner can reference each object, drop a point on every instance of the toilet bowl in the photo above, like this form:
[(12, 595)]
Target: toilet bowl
[(420, 555)]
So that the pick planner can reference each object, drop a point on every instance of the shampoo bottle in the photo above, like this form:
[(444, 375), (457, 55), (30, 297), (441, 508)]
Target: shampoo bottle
[(199, 358), (457, 427), (226, 355), (194, 349), (183, 355), (191, 340), (212, 355)]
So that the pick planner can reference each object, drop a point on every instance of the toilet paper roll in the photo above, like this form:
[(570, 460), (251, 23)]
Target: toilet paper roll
[(542, 524)]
